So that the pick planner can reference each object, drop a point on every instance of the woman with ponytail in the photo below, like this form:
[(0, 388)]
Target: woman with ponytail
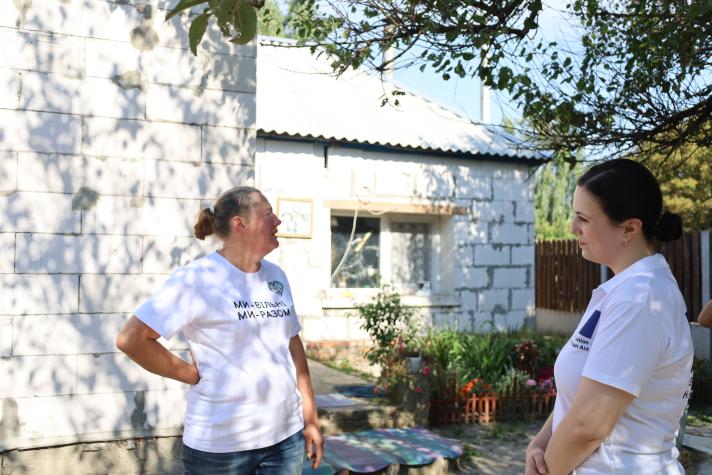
[(623, 378), (250, 407)]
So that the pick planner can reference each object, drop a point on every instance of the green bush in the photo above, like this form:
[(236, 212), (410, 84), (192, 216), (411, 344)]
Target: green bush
[(462, 357), (387, 322)]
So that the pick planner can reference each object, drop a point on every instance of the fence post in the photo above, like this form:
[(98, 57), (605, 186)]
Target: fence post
[(705, 270), (706, 264)]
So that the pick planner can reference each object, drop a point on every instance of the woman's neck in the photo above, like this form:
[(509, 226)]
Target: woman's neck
[(241, 258), (633, 255)]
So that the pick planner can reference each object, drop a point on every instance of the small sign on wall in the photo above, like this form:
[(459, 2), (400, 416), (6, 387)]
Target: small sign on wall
[(296, 216)]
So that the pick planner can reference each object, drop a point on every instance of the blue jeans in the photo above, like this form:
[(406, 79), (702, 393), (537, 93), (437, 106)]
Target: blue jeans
[(283, 458)]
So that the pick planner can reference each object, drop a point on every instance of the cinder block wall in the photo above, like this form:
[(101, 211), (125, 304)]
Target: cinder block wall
[(489, 252), (112, 135)]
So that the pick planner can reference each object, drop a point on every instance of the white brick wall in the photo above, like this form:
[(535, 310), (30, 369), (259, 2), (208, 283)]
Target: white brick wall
[(97, 374), (493, 298), (80, 333), (523, 255), (509, 278), (193, 180), (47, 375), (141, 139), (109, 139), (498, 211), (487, 255), (9, 78), (8, 172), (141, 215), (69, 173), (227, 145), (28, 131), (5, 335), (471, 277), (7, 253), (523, 299), (39, 51), (24, 294), (164, 254), (168, 103), (57, 254), (510, 234), (115, 293), (38, 212)]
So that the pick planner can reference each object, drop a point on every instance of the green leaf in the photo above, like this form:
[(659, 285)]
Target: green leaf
[(196, 31), (246, 23), (183, 5)]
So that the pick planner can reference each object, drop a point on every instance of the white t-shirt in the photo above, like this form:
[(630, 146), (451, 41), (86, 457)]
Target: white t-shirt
[(633, 336), (238, 326)]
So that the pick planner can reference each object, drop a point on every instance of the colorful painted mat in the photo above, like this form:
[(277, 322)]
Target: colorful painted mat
[(334, 400), (373, 450), (357, 390)]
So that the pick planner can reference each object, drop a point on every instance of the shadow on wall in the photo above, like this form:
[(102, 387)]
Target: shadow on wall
[(113, 137)]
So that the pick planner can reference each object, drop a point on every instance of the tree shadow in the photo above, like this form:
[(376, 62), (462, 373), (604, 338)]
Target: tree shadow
[(114, 136)]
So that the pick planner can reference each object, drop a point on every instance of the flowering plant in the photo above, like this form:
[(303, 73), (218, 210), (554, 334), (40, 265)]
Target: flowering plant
[(527, 355), (546, 385), (475, 386)]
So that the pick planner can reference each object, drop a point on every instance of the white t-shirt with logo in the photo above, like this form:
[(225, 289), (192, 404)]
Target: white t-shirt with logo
[(238, 326), (633, 336)]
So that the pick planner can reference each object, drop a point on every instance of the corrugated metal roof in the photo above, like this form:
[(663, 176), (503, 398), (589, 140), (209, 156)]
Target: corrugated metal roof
[(298, 95)]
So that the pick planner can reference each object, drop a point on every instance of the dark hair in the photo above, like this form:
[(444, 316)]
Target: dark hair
[(626, 189), (216, 219)]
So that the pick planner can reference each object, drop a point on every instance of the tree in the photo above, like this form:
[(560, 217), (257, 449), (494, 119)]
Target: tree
[(687, 185), (272, 22), (556, 182), (635, 74)]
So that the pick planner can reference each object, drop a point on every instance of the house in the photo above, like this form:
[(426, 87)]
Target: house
[(443, 206), (112, 138)]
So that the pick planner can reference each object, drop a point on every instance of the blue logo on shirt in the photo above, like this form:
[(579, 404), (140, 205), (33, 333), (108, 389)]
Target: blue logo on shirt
[(276, 286), (590, 326)]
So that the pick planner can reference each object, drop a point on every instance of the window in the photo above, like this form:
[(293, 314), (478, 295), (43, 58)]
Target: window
[(359, 268), (411, 246), (397, 249)]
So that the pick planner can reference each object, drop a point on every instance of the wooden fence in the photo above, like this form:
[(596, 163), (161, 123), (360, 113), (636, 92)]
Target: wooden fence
[(565, 280)]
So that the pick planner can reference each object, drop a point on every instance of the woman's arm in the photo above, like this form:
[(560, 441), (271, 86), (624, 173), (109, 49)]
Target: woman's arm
[(535, 464), (312, 433), (705, 318), (138, 341), (593, 415)]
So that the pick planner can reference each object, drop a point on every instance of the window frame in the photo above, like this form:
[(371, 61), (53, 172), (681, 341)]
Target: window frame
[(385, 254)]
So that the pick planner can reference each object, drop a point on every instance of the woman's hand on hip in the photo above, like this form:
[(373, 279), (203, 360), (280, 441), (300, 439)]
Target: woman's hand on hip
[(192, 375), (314, 442)]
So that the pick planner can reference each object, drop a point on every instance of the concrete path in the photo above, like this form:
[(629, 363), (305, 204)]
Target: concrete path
[(324, 378)]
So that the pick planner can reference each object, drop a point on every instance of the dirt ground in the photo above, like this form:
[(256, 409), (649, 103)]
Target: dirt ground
[(498, 449)]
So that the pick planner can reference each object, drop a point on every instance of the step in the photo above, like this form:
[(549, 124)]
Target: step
[(362, 416)]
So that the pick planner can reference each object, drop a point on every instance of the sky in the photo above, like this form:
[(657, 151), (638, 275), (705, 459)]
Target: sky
[(463, 94)]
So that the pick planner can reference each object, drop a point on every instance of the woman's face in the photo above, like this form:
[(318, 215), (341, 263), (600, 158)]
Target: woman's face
[(600, 240), (261, 225)]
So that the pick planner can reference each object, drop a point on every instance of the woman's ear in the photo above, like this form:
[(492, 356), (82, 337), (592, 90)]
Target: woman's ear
[(631, 227), (237, 224)]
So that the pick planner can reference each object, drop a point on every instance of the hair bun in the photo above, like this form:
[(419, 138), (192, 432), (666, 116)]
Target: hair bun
[(669, 227)]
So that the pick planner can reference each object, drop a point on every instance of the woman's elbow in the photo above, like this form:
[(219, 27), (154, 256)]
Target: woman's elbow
[(123, 340), (591, 433), (131, 335)]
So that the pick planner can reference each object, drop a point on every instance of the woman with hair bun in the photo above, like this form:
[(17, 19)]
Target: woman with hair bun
[(250, 408), (623, 378)]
